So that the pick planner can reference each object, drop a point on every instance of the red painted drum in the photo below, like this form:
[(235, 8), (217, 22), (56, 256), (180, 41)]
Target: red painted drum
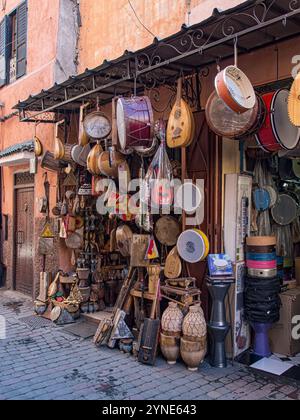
[(135, 122), (277, 133)]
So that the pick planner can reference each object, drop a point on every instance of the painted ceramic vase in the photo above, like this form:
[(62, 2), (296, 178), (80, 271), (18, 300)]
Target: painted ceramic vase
[(193, 352), (172, 321), (170, 348), (194, 326)]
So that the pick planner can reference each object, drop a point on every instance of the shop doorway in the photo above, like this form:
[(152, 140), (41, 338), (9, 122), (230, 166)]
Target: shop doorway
[(24, 234)]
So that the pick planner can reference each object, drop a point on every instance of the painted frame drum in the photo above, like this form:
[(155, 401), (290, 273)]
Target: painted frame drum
[(278, 132)]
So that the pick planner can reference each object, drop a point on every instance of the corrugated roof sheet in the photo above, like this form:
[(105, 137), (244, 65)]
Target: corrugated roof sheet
[(27, 146)]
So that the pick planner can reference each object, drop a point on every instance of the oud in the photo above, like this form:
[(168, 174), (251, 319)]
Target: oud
[(180, 131)]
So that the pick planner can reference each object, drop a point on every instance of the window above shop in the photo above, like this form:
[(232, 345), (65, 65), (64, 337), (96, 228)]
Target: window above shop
[(13, 45)]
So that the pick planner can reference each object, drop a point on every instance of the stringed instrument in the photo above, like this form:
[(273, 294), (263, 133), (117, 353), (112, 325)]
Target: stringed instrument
[(83, 137), (180, 126), (59, 148), (92, 159)]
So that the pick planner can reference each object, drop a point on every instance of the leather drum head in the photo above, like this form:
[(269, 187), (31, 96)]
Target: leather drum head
[(193, 246), (167, 230), (226, 123), (285, 211), (286, 133)]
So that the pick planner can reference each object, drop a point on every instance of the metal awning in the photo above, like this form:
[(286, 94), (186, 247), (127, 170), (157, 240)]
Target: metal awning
[(252, 25)]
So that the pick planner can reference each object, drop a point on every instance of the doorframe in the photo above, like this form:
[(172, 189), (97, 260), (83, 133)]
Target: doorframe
[(14, 224)]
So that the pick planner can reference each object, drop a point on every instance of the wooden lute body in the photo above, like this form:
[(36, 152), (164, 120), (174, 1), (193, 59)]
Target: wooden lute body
[(180, 129)]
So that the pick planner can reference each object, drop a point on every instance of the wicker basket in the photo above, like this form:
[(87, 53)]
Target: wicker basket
[(69, 307)]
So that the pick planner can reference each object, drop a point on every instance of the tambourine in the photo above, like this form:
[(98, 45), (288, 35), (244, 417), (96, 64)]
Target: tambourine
[(262, 199), (235, 89), (193, 246)]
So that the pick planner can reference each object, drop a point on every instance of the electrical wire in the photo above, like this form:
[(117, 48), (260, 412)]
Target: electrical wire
[(139, 19)]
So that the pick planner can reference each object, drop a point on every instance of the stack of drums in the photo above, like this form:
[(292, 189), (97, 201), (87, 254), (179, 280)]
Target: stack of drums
[(262, 290)]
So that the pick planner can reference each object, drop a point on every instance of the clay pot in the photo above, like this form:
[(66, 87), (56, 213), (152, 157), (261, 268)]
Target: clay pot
[(85, 293), (170, 348), (126, 346), (171, 321), (193, 353), (194, 326), (40, 308)]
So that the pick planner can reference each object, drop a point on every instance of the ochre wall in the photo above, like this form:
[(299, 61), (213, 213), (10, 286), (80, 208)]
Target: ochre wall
[(41, 51), (110, 27)]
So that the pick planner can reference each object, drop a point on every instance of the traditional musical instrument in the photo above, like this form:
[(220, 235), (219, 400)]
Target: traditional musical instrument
[(167, 230), (54, 286), (51, 164), (38, 147), (135, 122), (85, 151), (93, 159), (124, 236), (180, 126), (67, 157), (273, 194), (235, 89), (261, 241), (226, 123), (294, 102), (263, 274), (76, 151), (83, 137), (285, 210), (278, 132), (193, 246), (97, 125), (173, 267), (262, 199), (109, 162), (59, 148), (262, 265), (150, 333)]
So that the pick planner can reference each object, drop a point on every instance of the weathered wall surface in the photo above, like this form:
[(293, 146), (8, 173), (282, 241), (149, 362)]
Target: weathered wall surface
[(110, 27), (51, 56)]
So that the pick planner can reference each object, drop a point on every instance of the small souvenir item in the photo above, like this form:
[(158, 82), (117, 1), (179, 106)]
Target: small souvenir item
[(152, 251), (220, 265)]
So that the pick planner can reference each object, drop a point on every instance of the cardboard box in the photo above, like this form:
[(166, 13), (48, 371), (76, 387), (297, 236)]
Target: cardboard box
[(240, 328), (281, 338), (297, 267)]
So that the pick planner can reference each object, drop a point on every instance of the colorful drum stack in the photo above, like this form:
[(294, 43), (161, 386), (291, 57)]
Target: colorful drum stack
[(262, 289), (261, 257)]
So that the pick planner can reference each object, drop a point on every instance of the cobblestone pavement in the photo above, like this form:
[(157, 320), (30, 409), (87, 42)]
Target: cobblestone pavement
[(48, 364)]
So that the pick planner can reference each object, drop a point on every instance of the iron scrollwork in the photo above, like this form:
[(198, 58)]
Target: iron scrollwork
[(196, 40)]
